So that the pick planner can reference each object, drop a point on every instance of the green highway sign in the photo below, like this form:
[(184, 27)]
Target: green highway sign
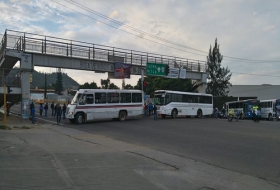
[(156, 69)]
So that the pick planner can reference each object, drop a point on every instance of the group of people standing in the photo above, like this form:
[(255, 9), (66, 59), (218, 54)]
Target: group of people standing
[(150, 109), (56, 110)]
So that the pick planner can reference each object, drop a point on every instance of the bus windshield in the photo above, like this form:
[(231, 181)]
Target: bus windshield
[(78, 99), (277, 105), (251, 104), (159, 99)]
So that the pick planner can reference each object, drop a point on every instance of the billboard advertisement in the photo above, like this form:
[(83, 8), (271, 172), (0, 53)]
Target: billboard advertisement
[(122, 70)]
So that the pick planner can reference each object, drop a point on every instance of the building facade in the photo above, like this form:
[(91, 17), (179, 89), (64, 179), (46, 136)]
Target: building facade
[(260, 92)]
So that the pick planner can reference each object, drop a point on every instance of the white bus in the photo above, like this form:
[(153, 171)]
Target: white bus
[(270, 109), (175, 103), (92, 104)]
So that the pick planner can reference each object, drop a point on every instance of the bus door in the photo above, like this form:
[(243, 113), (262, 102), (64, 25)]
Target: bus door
[(273, 109)]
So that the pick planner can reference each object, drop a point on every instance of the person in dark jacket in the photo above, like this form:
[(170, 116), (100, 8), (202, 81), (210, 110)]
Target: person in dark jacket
[(58, 113), (155, 112), (52, 107), (33, 114), (55, 107), (8, 107), (31, 106), (46, 109), (64, 110)]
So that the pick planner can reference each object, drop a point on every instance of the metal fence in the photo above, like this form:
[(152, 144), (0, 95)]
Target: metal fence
[(35, 43)]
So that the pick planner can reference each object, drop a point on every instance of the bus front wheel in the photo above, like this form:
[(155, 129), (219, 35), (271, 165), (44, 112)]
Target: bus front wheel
[(79, 118), (122, 116), (174, 113)]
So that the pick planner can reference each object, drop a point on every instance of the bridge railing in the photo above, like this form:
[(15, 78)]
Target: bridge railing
[(35, 43), (10, 77)]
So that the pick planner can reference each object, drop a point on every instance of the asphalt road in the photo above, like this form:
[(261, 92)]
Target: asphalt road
[(244, 146)]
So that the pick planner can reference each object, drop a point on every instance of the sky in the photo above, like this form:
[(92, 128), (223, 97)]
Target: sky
[(248, 31)]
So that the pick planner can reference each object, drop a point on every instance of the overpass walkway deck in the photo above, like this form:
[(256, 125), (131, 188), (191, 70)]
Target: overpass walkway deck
[(90, 53)]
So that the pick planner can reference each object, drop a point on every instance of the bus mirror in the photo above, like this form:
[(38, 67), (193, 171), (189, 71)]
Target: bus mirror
[(163, 95)]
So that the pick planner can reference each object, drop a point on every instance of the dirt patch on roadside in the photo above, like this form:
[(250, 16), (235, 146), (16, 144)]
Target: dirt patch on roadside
[(14, 122)]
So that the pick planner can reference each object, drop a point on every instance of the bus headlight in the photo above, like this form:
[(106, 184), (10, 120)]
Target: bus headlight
[(70, 113)]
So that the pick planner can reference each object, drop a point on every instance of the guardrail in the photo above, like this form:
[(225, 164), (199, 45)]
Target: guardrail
[(35, 43)]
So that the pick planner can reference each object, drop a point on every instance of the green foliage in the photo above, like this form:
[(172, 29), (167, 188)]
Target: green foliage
[(59, 85), (219, 77), (4, 127), (37, 81), (128, 86), (161, 83), (105, 84), (92, 85)]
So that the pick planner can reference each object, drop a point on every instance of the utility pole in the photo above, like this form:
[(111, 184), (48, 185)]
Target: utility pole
[(45, 94), (142, 81), (5, 104)]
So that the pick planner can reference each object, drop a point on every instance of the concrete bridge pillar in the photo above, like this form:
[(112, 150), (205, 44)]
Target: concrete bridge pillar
[(203, 83), (26, 67)]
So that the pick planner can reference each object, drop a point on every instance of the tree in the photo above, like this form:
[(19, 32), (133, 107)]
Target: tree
[(128, 86), (123, 84), (86, 85), (105, 83), (218, 80), (59, 86), (113, 86), (161, 83)]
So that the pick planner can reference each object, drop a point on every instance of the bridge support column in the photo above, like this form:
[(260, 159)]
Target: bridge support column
[(26, 66), (203, 83)]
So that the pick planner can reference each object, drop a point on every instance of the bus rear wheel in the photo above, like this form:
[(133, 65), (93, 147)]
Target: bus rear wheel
[(122, 116), (199, 113), (174, 113), (79, 118)]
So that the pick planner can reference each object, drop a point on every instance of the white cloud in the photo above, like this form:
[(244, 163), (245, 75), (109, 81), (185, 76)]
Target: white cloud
[(245, 29), (269, 28), (114, 14)]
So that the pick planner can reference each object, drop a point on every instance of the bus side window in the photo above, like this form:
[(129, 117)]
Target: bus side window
[(180, 98), (113, 97), (185, 98), (125, 97), (89, 99), (100, 98), (168, 98), (136, 97)]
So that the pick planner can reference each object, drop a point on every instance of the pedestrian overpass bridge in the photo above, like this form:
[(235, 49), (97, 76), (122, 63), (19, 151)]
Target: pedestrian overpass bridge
[(47, 51)]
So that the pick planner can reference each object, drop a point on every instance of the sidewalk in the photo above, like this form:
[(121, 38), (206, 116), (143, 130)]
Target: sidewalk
[(50, 156)]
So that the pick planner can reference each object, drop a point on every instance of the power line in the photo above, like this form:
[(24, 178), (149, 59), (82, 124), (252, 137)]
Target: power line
[(156, 37), (255, 74), (129, 32), (130, 27)]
